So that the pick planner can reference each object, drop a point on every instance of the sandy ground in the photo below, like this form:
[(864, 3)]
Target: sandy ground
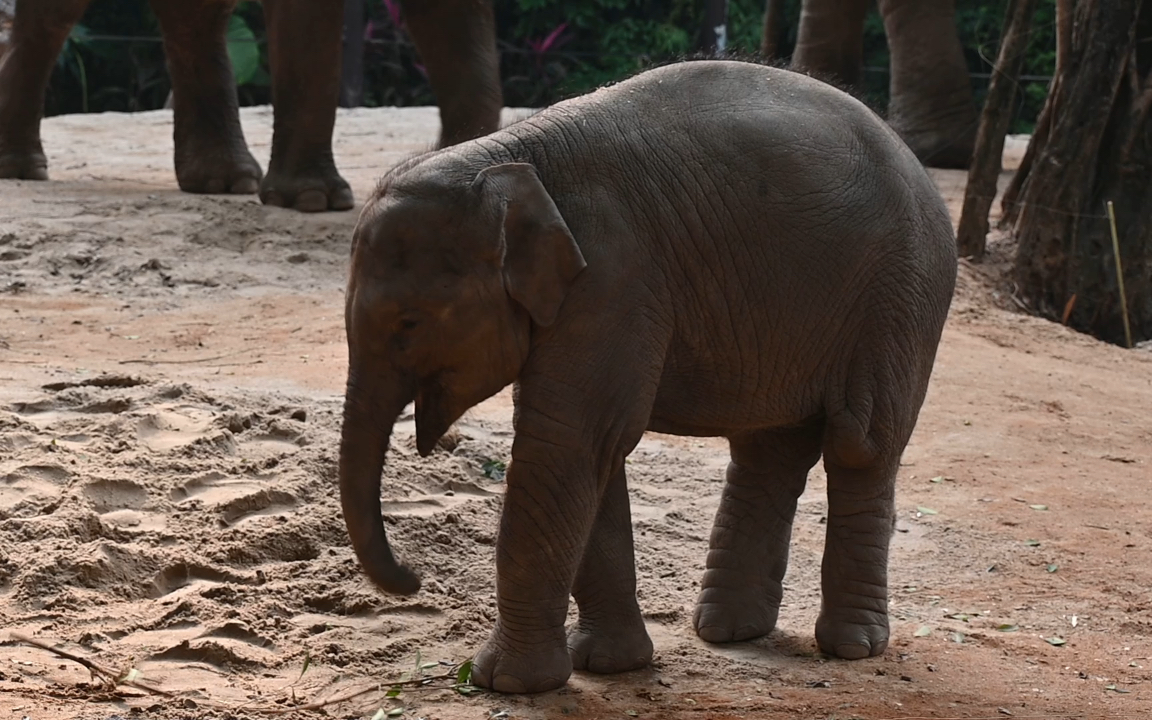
[(171, 370)]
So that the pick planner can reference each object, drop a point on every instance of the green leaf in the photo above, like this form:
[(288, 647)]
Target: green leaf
[(392, 693), (379, 714), (494, 470), (1007, 627), (396, 712), (242, 50), (1038, 507), (1032, 543), (429, 665), (956, 637), (464, 674), (922, 631), (631, 713), (465, 690), (926, 511), (1057, 641), (1116, 689), (960, 616), (1051, 568), (307, 662)]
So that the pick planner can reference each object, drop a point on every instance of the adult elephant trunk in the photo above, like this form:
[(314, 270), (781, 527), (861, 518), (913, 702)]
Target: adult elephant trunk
[(368, 421)]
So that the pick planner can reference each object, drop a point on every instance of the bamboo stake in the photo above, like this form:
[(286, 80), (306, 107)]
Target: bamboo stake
[(1119, 274)]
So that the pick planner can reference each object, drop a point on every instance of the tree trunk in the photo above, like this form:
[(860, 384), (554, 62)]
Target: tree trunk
[(1099, 149), (352, 58), (994, 120), (714, 37), (773, 35), (1009, 209)]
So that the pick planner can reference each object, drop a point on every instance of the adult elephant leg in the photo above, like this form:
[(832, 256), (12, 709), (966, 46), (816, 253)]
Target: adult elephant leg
[(609, 636), (304, 52), (930, 100), (748, 552), (830, 39), (853, 621), (39, 31), (211, 156), (457, 44)]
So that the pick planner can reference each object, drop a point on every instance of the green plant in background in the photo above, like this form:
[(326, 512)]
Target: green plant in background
[(70, 53)]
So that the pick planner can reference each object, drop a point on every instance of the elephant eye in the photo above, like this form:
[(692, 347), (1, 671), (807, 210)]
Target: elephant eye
[(408, 324)]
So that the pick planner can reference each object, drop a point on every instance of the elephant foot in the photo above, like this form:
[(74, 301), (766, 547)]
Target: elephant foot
[(214, 172), (536, 668), (852, 634), (23, 165), (610, 647), (732, 615), (314, 190)]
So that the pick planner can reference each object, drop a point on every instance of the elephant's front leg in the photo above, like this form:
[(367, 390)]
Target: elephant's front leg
[(549, 507), (610, 636), (39, 31), (304, 52), (211, 155)]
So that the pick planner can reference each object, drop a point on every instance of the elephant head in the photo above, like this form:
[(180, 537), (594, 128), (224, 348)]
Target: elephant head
[(448, 277)]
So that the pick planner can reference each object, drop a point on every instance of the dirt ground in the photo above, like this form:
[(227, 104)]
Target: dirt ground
[(171, 370)]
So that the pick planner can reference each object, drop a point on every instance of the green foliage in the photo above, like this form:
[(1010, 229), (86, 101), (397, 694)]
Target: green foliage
[(242, 50)]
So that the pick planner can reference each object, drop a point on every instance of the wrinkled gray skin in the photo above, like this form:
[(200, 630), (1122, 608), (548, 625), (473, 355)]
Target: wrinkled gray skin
[(708, 249)]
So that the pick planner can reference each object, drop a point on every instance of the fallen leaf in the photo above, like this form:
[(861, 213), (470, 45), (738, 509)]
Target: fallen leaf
[(960, 616), (956, 637), (1115, 689), (1057, 641), (922, 631), (1032, 543), (1051, 568), (926, 511), (631, 713), (1007, 627), (1038, 507)]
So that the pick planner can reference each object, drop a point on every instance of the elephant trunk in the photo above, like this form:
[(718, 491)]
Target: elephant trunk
[(363, 444)]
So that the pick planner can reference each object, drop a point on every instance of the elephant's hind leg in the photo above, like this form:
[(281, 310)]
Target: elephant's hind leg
[(862, 460), (748, 552), (38, 33), (610, 636), (211, 156)]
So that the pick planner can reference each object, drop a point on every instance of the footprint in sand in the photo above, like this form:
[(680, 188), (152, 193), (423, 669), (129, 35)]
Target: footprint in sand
[(457, 493), (235, 499), (122, 503), (28, 489), (169, 427)]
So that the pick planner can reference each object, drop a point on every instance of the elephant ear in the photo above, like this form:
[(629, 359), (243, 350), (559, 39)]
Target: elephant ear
[(540, 257)]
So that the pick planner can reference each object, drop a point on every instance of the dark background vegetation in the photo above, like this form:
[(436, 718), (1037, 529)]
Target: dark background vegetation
[(551, 49)]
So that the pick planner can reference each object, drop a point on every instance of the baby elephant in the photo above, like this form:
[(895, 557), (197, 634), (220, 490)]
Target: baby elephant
[(707, 249)]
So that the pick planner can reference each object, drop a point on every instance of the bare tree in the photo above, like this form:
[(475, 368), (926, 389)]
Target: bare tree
[(1097, 148)]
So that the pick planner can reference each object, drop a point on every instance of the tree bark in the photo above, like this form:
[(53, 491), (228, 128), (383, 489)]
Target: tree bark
[(773, 34), (352, 59), (1099, 149), (986, 165), (1009, 209)]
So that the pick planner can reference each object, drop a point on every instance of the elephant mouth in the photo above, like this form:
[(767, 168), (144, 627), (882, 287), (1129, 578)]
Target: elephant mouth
[(432, 416)]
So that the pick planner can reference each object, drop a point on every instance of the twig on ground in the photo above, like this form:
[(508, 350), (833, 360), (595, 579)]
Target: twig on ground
[(117, 678)]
